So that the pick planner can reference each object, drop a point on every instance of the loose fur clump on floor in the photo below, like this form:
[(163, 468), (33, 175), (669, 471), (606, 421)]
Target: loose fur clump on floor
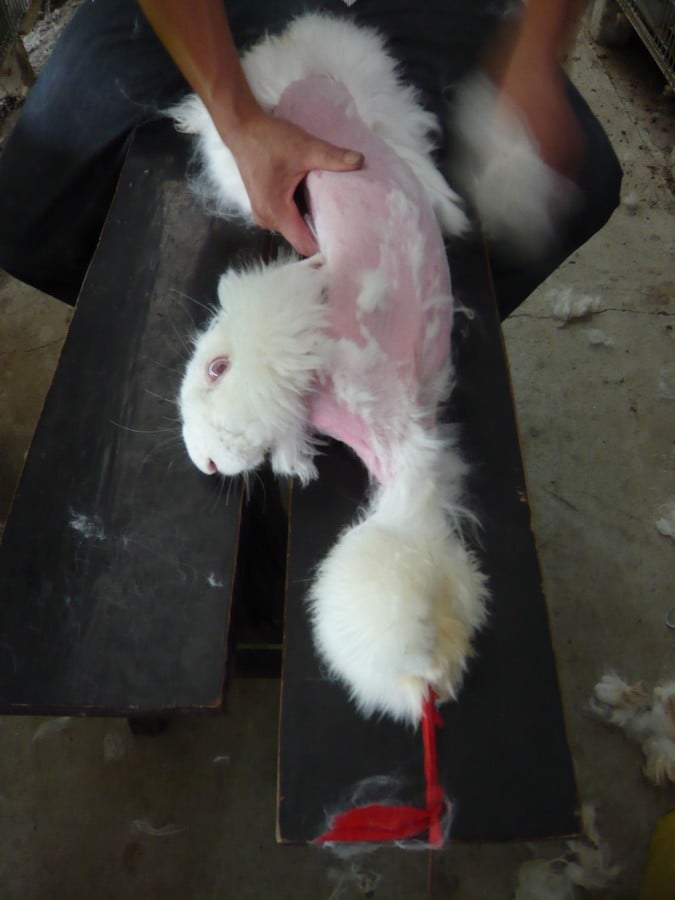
[(567, 306), (649, 720), (598, 338), (586, 864), (665, 524)]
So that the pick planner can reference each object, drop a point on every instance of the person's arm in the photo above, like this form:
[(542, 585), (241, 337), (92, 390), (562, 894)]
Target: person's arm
[(273, 155), (527, 70)]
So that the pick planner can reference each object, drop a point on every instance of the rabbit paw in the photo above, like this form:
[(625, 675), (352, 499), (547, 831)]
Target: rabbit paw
[(294, 456)]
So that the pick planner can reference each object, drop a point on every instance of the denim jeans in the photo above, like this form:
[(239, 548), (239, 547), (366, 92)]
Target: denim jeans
[(109, 74)]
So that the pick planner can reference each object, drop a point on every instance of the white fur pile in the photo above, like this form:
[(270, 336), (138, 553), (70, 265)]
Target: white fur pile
[(567, 306), (586, 864), (397, 600), (665, 524), (648, 720)]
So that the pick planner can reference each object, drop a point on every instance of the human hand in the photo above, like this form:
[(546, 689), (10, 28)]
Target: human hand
[(535, 90), (274, 156), (524, 64)]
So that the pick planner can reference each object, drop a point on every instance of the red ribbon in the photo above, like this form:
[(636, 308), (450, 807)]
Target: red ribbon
[(379, 822)]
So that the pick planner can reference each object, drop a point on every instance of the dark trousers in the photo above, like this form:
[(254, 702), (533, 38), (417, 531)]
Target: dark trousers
[(109, 73)]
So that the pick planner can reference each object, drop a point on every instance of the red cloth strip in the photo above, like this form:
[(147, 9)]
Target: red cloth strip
[(435, 797), (379, 822), (376, 823)]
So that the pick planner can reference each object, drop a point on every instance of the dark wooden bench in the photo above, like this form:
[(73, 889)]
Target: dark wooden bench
[(123, 570), (503, 754), (119, 561)]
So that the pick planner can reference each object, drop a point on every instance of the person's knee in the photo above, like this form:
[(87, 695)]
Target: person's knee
[(607, 194), (600, 175)]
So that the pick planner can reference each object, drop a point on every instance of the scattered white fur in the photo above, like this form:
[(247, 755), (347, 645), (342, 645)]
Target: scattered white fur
[(586, 864), (665, 524), (630, 203), (114, 747), (349, 365), (91, 528), (143, 826), (598, 338), (519, 199), (648, 720), (50, 727), (374, 290), (355, 56), (352, 880), (567, 305)]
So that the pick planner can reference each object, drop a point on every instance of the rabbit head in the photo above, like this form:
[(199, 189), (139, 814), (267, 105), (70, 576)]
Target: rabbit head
[(246, 385)]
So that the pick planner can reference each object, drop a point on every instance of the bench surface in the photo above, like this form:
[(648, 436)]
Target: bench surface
[(503, 754), (119, 560)]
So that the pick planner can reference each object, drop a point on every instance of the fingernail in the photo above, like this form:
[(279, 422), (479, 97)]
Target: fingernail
[(352, 158)]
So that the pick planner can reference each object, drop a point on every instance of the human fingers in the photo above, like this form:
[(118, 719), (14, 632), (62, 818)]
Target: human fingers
[(322, 155), (294, 228)]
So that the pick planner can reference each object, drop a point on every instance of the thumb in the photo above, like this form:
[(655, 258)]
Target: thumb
[(296, 232), (335, 159)]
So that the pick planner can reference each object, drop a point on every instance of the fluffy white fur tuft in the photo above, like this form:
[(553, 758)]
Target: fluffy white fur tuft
[(268, 329), (519, 199), (398, 599), (357, 57), (648, 720), (585, 864)]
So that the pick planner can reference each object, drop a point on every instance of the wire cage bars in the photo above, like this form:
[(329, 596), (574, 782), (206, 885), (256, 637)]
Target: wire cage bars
[(11, 13), (654, 21)]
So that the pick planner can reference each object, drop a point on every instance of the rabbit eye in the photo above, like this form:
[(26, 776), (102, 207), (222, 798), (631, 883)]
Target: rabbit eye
[(217, 368)]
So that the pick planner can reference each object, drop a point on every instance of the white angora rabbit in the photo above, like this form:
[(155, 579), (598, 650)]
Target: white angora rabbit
[(353, 343)]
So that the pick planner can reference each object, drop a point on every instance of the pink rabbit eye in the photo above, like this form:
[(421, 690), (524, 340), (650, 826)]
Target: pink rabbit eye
[(217, 368)]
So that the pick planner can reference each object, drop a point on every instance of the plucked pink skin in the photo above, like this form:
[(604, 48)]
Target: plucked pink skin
[(375, 227)]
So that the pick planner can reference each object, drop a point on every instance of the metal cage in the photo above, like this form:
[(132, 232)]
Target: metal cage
[(11, 13), (654, 21)]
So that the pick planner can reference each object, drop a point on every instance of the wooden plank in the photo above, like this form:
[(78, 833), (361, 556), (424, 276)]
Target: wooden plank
[(503, 753), (118, 559)]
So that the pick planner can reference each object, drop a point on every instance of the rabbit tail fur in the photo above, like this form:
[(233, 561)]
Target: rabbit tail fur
[(355, 56), (396, 602)]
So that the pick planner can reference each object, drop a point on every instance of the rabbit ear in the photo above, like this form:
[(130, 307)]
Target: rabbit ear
[(227, 289)]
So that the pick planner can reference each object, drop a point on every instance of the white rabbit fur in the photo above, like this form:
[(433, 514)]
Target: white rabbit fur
[(357, 57), (397, 600), (268, 328)]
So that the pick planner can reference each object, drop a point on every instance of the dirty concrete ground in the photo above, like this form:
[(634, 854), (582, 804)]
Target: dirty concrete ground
[(88, 810)]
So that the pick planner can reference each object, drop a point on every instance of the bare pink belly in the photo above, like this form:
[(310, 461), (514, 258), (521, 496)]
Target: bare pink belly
[(389, 302)]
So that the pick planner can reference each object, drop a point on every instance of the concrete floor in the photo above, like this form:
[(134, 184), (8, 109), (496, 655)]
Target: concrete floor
[(87, 810)]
